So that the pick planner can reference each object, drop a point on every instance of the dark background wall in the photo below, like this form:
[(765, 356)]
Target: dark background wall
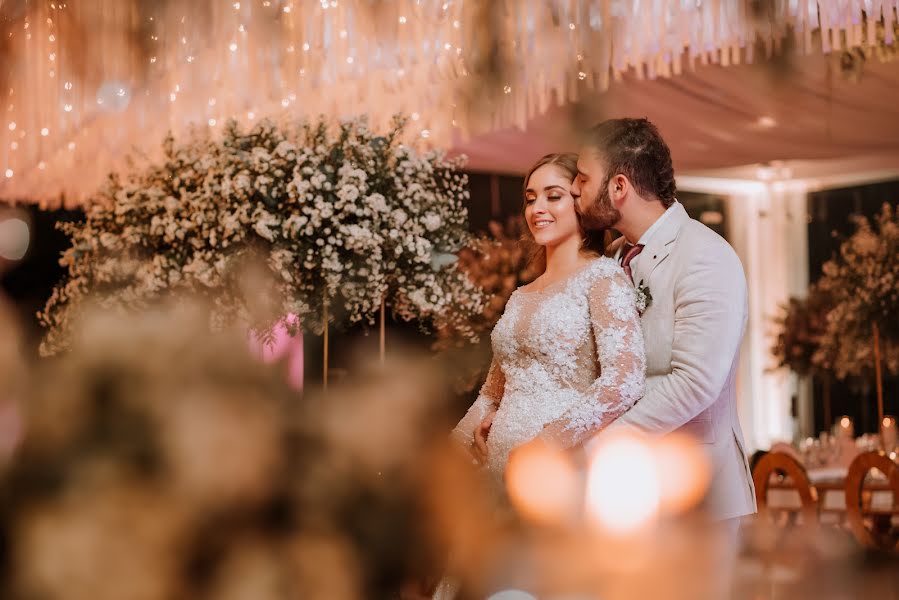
[(28, 283)]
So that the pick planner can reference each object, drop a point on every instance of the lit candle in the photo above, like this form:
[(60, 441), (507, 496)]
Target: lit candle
[(845, 428), (542, 484), (624, 488), (889, 434)]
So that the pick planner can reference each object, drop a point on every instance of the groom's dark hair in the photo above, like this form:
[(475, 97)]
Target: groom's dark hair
[(635, 149)]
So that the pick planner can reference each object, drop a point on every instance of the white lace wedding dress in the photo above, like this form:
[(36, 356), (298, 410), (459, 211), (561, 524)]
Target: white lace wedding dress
[(567, 360)]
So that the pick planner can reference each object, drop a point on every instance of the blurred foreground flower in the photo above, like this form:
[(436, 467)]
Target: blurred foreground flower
[(13, 381), (162, 462)]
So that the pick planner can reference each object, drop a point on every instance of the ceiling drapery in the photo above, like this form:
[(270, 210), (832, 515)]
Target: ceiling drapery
[(715, 118), (86, 83)]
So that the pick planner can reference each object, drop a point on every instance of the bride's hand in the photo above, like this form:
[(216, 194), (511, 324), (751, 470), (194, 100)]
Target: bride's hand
[(480, 436)]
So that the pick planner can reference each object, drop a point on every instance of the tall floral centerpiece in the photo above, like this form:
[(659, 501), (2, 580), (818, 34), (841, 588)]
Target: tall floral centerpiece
[(862, 279), (799, 330), (345, 221)]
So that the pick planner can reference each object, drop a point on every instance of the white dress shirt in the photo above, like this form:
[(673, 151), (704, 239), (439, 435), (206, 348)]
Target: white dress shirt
[(644, 239)]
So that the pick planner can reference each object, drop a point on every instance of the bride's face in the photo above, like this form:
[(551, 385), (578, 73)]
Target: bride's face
[(549, 207)]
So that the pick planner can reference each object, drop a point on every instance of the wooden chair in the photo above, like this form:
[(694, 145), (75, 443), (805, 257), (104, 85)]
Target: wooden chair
[(785, 467), (881, 534), (785, 448)]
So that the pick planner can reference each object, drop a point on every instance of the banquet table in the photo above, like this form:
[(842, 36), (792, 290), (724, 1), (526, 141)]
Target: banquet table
[(830, 483)]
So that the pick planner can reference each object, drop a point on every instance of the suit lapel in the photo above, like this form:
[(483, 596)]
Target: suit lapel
[(660, 244)]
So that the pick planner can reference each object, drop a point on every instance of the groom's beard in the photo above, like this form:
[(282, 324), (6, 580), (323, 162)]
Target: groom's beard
[(601, 214)]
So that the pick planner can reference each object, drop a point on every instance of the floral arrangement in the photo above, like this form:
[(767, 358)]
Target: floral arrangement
[(862, 281), (342, 219), (800, 328)]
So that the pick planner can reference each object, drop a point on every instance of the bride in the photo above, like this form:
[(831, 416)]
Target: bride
[(568, 352)]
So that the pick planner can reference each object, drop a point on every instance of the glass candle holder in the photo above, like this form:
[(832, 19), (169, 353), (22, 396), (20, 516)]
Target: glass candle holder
[(889, 435), (844, 428)]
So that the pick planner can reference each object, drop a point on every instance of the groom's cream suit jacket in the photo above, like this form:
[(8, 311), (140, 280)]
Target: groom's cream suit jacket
[(693, 330)]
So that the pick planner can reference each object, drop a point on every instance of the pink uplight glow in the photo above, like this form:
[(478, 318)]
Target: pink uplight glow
[(283, 346)]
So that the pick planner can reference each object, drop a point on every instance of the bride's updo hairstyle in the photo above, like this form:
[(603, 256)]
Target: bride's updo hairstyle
[(592, 242)]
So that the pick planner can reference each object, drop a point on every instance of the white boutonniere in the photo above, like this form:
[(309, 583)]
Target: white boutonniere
[(643, 298)]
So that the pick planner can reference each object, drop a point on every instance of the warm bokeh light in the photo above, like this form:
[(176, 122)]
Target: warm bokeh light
[(512, 595), (889, 434), (845, 428), (542, 484), (122, 55), (684, 473), (15, 238), (623, 484)]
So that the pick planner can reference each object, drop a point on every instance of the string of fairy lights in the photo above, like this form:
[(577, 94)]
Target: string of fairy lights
[(89, 83)]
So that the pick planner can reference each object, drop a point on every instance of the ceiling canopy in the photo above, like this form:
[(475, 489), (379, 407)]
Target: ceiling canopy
[(90, 82), (808, 108)]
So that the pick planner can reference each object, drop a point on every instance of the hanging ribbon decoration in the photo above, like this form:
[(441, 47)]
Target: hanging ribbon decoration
[(79, 104)]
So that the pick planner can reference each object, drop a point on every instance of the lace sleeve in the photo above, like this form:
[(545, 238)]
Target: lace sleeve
[(622, 364), (490, 396)]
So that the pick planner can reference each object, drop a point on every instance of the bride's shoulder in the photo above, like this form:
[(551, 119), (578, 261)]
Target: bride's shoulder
[(604, 267), (525, 288), (599, 271)]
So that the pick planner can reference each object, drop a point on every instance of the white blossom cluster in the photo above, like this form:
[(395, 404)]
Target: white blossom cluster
[(862, 284), (342, 216), (426, 226)]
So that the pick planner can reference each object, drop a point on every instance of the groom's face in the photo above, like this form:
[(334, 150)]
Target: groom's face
[(591, 192)]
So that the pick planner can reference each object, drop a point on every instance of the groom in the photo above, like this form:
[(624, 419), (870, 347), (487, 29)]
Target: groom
[(694, 323)]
